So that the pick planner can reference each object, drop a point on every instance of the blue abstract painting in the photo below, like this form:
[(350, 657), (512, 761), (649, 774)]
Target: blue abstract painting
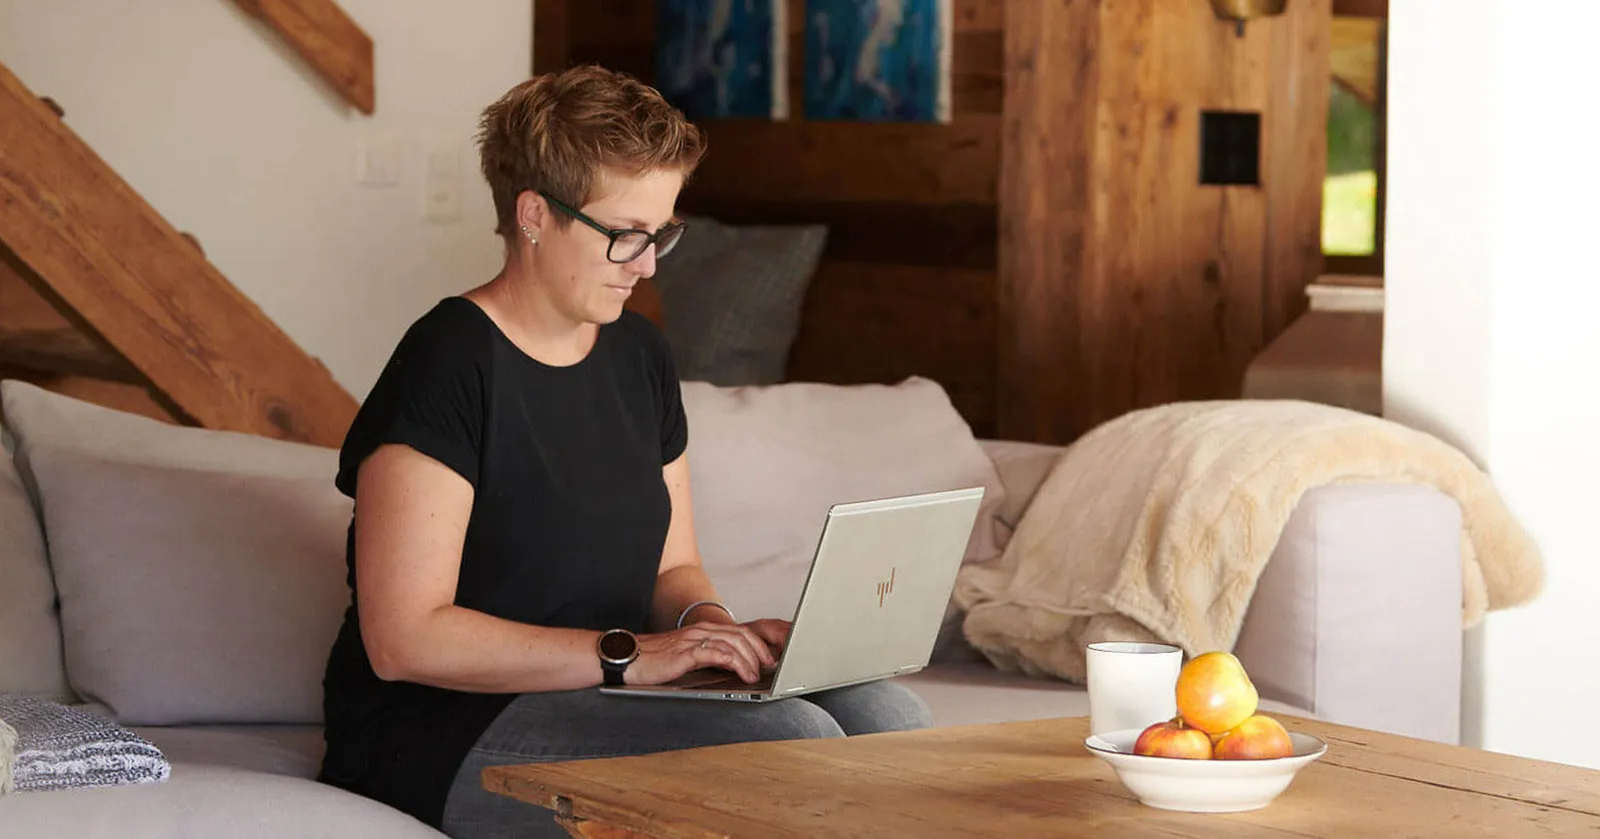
[(878, 60), (721, 59)]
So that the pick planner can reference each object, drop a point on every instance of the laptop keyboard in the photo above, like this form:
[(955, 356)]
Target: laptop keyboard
[(714, 679)]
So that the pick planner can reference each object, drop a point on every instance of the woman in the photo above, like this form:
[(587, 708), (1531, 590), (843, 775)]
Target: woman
[(522, 492)]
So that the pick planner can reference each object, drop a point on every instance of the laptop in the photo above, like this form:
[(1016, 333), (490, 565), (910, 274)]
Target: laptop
[(872, 605)]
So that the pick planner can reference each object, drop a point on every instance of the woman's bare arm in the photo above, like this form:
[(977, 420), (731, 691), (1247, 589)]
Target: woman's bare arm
[(411, 523), (682, 579)]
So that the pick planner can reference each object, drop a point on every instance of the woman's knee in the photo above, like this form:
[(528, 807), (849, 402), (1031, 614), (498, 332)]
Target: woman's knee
[(874, 707), (790, 719)]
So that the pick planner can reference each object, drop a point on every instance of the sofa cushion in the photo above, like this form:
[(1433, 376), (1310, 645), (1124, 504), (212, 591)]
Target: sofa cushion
[(193, 596), (733, 296), (1022, 466), (766, 463), (208, 800), (292, 750), (38, 417), (30, 635)]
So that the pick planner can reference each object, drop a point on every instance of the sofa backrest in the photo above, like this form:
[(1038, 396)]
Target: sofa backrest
[(244, 601), (766, 462)]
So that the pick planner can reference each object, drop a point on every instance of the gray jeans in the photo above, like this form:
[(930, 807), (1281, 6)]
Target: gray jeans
[(571, 725)]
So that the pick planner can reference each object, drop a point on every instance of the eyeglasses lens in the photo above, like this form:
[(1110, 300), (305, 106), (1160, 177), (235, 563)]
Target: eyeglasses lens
[(629, 246)]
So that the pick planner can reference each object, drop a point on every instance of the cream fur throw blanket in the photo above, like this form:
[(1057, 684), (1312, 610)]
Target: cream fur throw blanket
[(1156, 526)]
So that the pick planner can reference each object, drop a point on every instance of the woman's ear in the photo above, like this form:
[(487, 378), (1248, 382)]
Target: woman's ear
[(533, 213)]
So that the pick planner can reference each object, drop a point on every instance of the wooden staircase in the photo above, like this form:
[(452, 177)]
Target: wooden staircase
[(102, 299)]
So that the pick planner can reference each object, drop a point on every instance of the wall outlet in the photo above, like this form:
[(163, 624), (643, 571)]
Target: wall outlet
[(441, 184)]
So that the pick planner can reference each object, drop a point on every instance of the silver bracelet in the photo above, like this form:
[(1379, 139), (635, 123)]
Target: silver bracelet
[(689, 608)]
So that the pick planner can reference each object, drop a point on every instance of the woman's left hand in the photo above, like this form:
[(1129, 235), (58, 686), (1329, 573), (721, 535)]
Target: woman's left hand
[(774, 631)]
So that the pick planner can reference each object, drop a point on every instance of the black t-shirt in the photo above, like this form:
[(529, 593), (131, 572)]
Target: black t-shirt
[(569, 516)]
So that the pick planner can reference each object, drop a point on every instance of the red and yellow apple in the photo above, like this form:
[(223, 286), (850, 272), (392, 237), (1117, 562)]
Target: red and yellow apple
[(1257, 738), (1214, 693), (1171, 738)]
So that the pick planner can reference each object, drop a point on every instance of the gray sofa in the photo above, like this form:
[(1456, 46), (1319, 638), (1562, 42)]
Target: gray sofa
[(193, 580)]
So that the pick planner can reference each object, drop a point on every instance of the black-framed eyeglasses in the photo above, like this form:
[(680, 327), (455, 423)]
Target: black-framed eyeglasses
[(627, 244)]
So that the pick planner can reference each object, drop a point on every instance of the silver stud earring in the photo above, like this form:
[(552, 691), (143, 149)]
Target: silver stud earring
[(529, 234)]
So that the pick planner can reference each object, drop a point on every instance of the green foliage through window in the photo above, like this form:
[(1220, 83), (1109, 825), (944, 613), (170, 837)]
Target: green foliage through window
[(1350, 192)]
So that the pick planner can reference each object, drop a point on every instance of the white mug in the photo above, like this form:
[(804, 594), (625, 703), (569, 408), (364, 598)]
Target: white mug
[(1131, 685)]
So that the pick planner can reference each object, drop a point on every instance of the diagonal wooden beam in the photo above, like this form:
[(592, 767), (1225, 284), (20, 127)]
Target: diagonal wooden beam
[(82, 366), (37, 339), (63, 352), (333, 44), (97, 249), (1354, 55)]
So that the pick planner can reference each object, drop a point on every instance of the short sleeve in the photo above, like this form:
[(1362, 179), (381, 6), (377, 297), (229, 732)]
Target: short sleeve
[(430, 397), (669, 392), (674, 422)]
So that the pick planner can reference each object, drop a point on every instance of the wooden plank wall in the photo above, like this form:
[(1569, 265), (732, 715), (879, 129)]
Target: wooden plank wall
[(907, 285), (1125, 282), (1050, 257)]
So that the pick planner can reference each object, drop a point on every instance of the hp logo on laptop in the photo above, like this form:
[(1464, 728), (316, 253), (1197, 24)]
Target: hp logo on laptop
[(885, 588)]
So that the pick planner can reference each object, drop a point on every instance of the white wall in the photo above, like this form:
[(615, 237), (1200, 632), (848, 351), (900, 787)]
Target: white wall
[(1492, 323), (232, 137)]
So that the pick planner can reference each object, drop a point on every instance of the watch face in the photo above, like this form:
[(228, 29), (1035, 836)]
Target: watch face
[(617, 645)]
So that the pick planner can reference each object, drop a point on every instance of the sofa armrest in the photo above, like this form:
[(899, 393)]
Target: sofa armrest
[(1357, 617)]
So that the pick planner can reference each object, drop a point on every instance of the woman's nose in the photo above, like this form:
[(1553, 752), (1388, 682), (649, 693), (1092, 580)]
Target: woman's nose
[(645, 264)]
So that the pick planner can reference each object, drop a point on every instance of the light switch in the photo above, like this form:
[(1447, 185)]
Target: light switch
[(378, 162), (441, 188)]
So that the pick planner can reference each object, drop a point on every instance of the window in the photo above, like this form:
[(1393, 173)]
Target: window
[(1352, 195)]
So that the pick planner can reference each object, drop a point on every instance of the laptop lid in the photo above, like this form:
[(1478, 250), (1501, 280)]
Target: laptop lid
[(878, 589)]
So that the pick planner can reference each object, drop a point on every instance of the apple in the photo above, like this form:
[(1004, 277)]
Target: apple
[(1257, 738), (1214, 693), (1171, 738)]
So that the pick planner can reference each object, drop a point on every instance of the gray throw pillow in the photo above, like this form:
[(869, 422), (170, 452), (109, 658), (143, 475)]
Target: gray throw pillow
[(733, 295), (191, 596)]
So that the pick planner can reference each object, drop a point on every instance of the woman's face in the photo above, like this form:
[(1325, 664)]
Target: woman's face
[(572, 262)]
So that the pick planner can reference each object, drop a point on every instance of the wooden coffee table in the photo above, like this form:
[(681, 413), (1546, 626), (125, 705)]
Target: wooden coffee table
[(1036, 779)]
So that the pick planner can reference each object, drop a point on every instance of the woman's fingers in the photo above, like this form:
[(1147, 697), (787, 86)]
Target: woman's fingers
[(745, 644), (771, 630), (759, 646), (744, 649), (719, 652)]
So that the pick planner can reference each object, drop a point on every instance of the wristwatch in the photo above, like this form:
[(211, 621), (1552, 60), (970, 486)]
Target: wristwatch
[(618, 648)]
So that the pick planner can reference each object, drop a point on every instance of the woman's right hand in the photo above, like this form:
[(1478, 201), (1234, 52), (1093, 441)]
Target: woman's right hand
[(741, 648)]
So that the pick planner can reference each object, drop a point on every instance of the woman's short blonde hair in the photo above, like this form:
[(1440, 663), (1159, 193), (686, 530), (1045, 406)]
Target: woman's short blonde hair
[(555, 133)]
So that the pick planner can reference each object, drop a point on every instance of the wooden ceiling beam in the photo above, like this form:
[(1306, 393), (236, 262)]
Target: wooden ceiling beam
[(328, 39)]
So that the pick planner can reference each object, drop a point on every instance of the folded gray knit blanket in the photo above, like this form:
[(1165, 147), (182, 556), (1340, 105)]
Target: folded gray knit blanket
[(58, 747)]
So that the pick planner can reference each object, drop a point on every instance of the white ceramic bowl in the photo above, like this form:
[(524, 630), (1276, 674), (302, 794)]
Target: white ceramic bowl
[(1202, 786)]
